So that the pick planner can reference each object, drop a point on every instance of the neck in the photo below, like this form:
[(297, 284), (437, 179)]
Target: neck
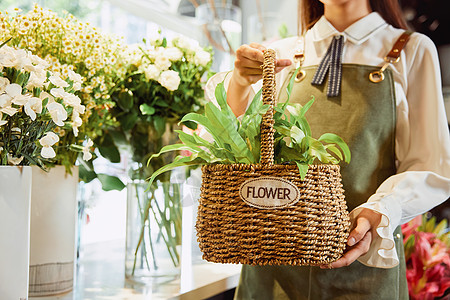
[(343, 15)]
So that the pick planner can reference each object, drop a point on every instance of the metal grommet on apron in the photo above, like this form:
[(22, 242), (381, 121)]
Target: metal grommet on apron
[(364, 115)]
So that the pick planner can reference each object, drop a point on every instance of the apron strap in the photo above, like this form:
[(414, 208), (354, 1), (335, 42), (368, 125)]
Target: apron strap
[(392, 57)]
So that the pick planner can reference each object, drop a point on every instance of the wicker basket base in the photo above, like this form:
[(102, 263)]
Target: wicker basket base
[(312, 232)]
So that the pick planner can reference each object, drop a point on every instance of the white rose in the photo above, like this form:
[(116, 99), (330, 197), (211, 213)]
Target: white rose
[(202, 58), (152, 72), (170, 80), (162, 62), (173, 53), (182, 43)]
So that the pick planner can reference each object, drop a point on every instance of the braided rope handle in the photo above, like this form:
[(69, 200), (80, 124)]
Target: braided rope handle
[(268, 97)]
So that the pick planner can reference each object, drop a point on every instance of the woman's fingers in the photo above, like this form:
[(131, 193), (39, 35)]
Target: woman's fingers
[(353, 254), (249, 59), (249, 52), (362, 226)]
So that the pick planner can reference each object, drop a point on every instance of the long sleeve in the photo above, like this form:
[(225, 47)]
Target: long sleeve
[(423, 155)]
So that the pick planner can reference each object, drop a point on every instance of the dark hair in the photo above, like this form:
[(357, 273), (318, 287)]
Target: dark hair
[(312, 10)]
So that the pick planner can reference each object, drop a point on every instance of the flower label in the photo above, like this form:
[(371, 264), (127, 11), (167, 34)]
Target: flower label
[(269, 192)]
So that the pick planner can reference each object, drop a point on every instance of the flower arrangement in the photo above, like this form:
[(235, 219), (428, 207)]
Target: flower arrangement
[(36, 106), (163, 82), (427, 254), (69, 46)]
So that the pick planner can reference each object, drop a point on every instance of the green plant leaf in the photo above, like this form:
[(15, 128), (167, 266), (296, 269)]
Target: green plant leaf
[(332, 138), (160, 125), (128, 120), (302, 169), (174, 147), (335, 150), (205, 122), (307, 106), (125, 100), (291, 84), (178, 162), (111, 153), (85, 174), (147, 109), (110, 183), (440, 228), (228, 131), (255, 104)]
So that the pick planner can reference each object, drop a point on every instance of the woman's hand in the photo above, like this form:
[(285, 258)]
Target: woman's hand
[(359, 239), (249, 59)]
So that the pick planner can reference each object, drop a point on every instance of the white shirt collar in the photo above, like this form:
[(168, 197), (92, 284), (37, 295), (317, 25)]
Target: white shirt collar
[(356, 33)]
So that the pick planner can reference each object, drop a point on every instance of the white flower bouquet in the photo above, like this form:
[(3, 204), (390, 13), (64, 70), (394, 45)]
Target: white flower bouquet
[(36, 105)]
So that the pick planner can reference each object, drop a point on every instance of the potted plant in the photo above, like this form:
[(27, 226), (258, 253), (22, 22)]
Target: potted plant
[(271, 143), (78, 52), (36, 105)]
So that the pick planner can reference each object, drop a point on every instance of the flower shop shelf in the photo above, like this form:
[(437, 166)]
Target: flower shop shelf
[(100, 275)]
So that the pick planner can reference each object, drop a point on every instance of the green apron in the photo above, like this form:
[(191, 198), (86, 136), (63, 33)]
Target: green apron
[(364, 116)]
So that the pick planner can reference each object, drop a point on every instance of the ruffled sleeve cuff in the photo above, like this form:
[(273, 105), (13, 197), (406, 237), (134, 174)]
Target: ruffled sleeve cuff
[(382, 252)]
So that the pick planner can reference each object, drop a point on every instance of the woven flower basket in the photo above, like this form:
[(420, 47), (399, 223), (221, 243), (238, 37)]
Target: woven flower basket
[(265, 214)]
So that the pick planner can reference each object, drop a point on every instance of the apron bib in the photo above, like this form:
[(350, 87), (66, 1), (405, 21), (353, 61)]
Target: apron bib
[(364, 116)]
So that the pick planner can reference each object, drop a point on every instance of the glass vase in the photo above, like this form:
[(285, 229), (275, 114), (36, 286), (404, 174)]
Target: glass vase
[(153, 241)]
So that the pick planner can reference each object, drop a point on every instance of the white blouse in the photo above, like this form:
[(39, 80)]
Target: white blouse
[(422, 143)]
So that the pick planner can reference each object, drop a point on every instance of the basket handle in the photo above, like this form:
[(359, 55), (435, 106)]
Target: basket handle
[(268, 97)]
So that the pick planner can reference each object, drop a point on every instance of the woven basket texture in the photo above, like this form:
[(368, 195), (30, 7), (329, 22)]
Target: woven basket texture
[(311, 232)]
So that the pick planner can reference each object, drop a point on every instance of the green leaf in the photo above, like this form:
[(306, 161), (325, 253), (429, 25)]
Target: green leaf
[(160, 125), (85, 174), (228, 131), (306, 107), (332, 138), (221, 96), (430, 225), (296, 134), (128, 121), (255, 104), (440, 228), (335, 150), (291, 84), (178, 162), (147, 109), (125, 100), (110, 183), (302, 169), (203, 121), (162, 103), (174, 147), (111, 153)]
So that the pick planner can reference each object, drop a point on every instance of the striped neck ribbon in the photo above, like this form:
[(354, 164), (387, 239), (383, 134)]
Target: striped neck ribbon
[(331, 61)]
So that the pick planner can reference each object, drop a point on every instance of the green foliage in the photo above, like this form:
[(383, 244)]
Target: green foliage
[(238, 141)]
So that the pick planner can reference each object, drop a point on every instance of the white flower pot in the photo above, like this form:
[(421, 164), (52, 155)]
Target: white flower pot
[(53, 227), (15, 190)]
